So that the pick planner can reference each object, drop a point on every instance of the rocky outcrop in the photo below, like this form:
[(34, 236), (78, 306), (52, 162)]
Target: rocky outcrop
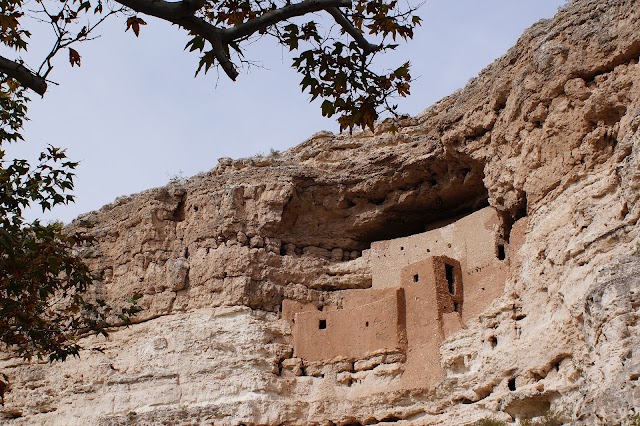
[(550, 131)]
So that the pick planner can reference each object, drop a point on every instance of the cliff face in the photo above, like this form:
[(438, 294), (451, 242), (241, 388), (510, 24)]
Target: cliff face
[(549, 132)]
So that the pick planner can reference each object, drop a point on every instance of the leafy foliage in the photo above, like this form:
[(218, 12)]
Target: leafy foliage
[(336, 65), (11, 34), (43, 276), (353, 92)]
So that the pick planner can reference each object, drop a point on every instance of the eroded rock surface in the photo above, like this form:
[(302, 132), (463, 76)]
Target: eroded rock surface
[(550, 131)]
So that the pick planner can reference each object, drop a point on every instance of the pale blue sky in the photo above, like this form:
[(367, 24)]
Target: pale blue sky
[(134, 115)]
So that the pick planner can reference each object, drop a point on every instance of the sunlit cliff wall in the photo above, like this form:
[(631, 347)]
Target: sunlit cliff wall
[(549, 132)]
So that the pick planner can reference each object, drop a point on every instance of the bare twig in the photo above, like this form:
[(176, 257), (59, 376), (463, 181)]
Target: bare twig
[(61, 42)]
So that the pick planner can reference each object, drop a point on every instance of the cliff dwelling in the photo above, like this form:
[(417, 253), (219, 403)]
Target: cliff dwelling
[(425, 287), (363, 280)]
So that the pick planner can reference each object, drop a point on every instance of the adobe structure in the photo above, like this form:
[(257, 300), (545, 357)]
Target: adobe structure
[(425, 287)]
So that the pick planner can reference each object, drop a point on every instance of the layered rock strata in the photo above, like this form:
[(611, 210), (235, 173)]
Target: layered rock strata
[(549, 132)]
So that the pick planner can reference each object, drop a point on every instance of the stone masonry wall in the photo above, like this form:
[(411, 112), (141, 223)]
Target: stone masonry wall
[(414, 310)]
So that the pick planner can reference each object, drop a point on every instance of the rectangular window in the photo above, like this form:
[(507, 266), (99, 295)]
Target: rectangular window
[(416, 278), (502, 255), (322, 324), (448, 270)]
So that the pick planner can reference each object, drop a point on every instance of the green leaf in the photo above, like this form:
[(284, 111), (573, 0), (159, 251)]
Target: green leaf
[(196, 43), (206, 61), (328, 108)]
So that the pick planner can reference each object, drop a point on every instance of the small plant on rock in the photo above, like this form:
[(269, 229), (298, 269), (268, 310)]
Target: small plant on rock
[(550, 418), (274, 152), (489, 422)]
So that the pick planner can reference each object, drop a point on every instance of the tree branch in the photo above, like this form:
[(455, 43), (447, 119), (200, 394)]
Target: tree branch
[(348, 27), (169, 11), (221, 56), (213, 35), (193, 5), (23, 75), (181, 13), (279, 15)]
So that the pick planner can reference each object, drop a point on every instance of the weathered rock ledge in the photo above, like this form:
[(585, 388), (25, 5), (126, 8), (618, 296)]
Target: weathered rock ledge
[(550, 131)]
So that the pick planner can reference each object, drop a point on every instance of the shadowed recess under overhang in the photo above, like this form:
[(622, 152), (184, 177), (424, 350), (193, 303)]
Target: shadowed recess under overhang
[(415, 197)]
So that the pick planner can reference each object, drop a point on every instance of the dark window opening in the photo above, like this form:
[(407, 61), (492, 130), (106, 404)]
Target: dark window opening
[(493, 341), (322, 324), (416, 278), (456, 307), (448, 270), (401, 248), (512, 384), (502, 255), (366, 324)]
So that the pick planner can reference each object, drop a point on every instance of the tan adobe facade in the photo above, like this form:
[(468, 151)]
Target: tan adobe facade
[(424, 288), (368, 322), (476, 241)]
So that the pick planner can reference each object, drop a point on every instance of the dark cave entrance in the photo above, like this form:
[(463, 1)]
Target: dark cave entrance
[(407, 199), (427, 206)]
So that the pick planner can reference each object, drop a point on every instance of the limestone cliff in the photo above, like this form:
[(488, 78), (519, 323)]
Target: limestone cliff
[(550, 132)]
